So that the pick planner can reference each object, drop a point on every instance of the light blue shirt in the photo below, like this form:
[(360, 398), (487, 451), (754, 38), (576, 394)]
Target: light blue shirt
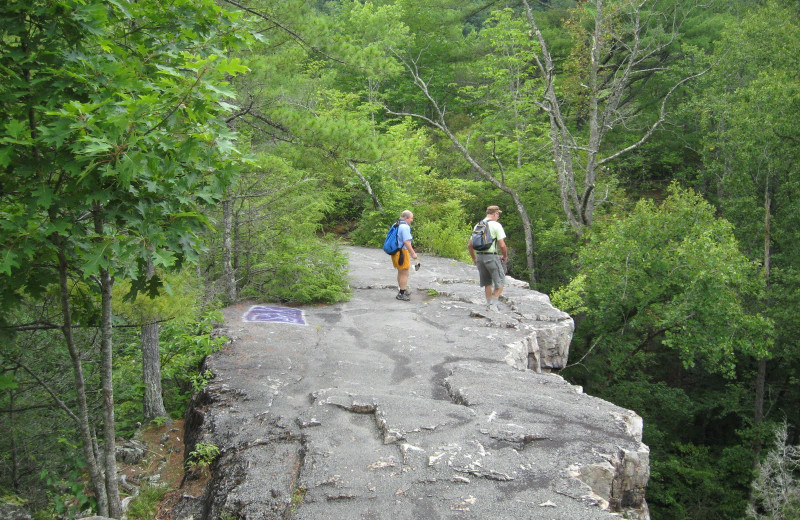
[(404, 233)]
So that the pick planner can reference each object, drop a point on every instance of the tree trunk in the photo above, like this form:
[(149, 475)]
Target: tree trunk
[(107, 381), (151, 373), (13, 434), (367, 185), (761, 377), (228, 274), (88, 441), (153, 401), (236, 239)]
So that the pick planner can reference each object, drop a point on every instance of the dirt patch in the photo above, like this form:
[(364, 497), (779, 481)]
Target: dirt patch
[(162, 465)]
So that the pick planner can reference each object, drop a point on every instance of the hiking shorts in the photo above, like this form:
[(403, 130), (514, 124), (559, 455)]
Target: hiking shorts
[(490, 271), (401, 260)]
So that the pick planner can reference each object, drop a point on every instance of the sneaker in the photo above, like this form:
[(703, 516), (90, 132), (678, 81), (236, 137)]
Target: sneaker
[(403, 296), (492, 307)]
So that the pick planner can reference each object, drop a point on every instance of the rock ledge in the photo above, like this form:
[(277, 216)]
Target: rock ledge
[(433, 408)]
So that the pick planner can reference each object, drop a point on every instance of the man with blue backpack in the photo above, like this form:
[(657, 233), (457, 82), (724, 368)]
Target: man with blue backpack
[(398, 244), (487, 236)]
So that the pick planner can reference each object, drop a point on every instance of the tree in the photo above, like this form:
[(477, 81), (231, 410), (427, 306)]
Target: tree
[(322, 154), (777, 487), (438, 120), (178, 301), (114, 136), (586, 120), (665, 325), (622, 46), (749, 111), (309, 131), (666, 278)]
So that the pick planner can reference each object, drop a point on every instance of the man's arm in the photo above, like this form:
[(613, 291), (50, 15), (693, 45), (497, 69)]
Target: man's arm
[(472, 251), (410, 249), (502, 243)]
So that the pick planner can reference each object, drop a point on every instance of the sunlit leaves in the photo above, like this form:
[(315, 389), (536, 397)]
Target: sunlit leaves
[(124, 125), (670, 276)]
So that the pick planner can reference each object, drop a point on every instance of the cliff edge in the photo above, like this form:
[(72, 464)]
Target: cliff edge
[(434, 408)]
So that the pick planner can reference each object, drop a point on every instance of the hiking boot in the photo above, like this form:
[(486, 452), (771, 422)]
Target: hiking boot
[(403, 296)]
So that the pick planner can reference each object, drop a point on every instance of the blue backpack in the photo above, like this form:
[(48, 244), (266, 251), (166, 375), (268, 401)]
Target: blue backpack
[(391, 244), (481, 237)]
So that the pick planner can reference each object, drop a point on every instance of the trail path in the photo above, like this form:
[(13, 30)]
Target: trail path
[(383, 409)]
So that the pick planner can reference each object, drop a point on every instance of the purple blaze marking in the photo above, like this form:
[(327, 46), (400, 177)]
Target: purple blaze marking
[(274, 314)]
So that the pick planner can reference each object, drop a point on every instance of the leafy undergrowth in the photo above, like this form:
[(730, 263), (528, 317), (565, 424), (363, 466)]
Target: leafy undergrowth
[(160, 473)]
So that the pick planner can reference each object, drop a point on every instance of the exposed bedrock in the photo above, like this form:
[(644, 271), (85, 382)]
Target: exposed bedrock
[(433, 408)]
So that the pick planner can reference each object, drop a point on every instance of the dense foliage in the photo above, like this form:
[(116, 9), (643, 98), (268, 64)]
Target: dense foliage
[(185, 154)]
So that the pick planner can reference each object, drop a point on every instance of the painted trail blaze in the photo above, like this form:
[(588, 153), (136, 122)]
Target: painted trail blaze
[(267, 313)]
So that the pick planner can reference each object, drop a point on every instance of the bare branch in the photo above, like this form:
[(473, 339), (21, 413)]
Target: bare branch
[(367, 185), (580, 361), (44, 385), (441, 123), (288, 31), (497, 161), (655, 125)]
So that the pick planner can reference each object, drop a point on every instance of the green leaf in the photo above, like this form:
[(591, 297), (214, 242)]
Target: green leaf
[(95, 146), (6, 154), (97, 258), (7, 383), (163, 258), (16, 129), (44, 196)]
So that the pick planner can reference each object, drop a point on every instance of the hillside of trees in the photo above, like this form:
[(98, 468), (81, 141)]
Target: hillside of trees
[(161, 159)]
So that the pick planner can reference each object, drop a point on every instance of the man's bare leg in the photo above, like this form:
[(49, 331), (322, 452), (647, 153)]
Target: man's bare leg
[(402, 279)]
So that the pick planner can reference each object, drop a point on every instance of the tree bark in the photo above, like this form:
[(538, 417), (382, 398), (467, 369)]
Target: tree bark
[(151, 373), (153, 401), (107, 378), (761, 376), (228, 274), (107, 382), (441, 124), (366, 184), (87, 438), (13, 434)]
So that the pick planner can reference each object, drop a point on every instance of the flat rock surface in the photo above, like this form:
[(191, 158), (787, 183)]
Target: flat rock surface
[(384, 409)]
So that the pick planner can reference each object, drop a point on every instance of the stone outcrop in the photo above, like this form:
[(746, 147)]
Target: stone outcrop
[(130, 452), (14, 512), (433, 408)]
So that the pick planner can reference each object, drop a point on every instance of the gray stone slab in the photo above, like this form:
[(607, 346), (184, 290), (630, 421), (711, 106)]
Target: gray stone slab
[(433, 408)]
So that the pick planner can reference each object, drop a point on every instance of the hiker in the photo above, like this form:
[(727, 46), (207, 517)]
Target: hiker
[(402, 259), (490, 264)]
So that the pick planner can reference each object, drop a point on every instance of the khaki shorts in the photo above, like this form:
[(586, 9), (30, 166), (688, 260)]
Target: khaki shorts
[(401, 260), (490, 271)]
